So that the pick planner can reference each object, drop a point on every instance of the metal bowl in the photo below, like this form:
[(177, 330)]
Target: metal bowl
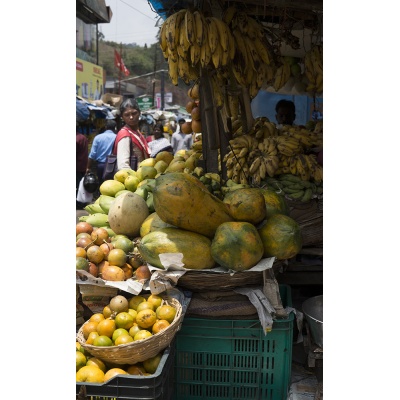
[(312, 309)]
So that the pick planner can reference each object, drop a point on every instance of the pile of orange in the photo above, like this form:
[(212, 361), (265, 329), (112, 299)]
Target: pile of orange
[(122, 321)]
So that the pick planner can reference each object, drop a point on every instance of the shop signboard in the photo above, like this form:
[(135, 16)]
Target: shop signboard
[(145, 102), (89, 80)]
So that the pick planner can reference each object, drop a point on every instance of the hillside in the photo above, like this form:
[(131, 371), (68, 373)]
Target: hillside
[(140, 61)]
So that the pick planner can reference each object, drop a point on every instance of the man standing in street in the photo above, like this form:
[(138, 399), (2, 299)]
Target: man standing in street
[(180, 140), (81, 160), (101, 147)]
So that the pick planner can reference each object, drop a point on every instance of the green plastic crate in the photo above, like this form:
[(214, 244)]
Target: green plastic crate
[(233, 359)]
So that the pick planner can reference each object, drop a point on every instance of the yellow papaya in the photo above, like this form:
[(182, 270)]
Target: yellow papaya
[(195, 248), (180, 199)]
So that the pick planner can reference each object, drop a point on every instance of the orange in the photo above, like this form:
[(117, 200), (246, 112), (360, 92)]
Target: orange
[(166, 312), (90, 373), (113, 372), (117, 332), (159, 325), (80, 360), (117, 257), (146, 318), (151, 364), (99, 236), (136, 369), (124, 320), (133, 313), (97, 363), (135, 301), (102, 340), (119, 303), (142, 334), (123, 339), (155, 300), (90, 326), (134, 330), (80, 252), (145, 305), (107, 312), (106, 327), (95, 254), (97, 317), (91, 337)]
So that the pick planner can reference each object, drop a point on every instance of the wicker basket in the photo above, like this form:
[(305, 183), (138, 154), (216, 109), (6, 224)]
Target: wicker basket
[(199, 281), (139, 350)]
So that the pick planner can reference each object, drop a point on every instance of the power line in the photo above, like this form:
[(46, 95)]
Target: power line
[(136, 10)]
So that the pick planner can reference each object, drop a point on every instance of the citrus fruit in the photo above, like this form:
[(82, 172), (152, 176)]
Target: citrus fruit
[(80, 252), (99, 236), (146, 318), (117, 257), (124, 244), (166, 312), (91, 337), (106, 248), (123, 339), (106, 327), (107, 312), (102, 340), (151, 364), (145, 305), (117, 332), (112, 273), (119, 304), (124, 320), (83, 227), (142, 272), (155, 300), (136, 369), (133, 313), (90, 373), (97, 317), (82, 263), (97, 363), (128, 270), (134, 329), (80, 360), (159, 325), (95, 254), (142, 334), (135, 300), (113, 372), (90, 326), (116, 237), (84, 242)]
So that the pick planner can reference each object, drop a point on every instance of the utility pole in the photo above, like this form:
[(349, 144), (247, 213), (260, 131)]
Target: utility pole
[(119, 73), (162, 90)]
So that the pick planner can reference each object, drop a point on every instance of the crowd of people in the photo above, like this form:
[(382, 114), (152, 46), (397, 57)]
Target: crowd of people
[(128, 139)]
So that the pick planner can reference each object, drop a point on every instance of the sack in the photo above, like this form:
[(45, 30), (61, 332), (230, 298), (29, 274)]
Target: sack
[(111, 166), (83, 196)]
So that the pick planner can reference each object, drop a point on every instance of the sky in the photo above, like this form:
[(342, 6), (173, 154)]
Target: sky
[(133, 21)]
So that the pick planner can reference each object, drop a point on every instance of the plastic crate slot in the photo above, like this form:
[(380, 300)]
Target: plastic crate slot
[(246, 378), (247, 361)]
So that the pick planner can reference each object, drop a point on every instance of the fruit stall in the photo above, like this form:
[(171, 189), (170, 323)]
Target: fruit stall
[(186, 267)]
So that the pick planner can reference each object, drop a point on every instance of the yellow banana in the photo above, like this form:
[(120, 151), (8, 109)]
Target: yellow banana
[(173, 71), (205, 52), (163, 37), (229, 14), (173, 28), (190, 28), (255, 29), (199, 24), (183, 70), (216, 56), (183, 42), (213, 38), (223, 29), (195, 53)]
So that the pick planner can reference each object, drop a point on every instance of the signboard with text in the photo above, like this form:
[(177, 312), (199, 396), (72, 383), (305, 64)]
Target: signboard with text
[(89, 80), (145, 103)]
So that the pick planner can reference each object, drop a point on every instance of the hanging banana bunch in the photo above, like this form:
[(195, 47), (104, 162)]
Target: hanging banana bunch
[(313, 70)]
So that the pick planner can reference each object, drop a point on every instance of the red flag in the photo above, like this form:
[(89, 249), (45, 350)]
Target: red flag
[(119, 63)]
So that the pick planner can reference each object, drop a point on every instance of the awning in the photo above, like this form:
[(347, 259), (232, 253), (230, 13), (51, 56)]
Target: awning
[(93, 11)]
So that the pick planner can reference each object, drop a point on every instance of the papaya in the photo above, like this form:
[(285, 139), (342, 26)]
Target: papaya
[(196, 248), (152, 223), (247, 205), (281, 237), (275, 203), (237, 246), (180, 199)]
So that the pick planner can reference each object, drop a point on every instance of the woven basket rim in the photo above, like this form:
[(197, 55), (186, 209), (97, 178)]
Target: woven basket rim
[(139, 350)]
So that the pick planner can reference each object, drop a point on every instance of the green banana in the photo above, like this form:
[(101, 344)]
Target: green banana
[(149, 202), (307, 195), (297, 195), (290, 177), (290, 191), (94, 208), (98, 219), (291, 185), (227, 189), (142, 192)]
